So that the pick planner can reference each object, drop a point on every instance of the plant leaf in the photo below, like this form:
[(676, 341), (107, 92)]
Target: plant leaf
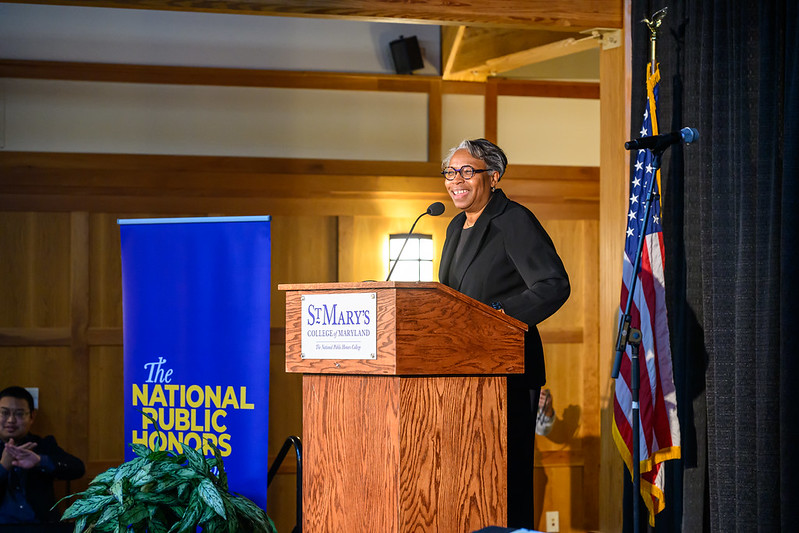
[(178, 510), (128, 469), (196, 460), (87, 506), (210, 495), (188, 473), (159, 455), (154, 497), (111, 512), (142, 476), (208, 517), (140, 449), (192, 515), (162, 468), (168, 483), (254, 515), (134, 515), (116, 490), (80, 524), (108, 526), (248, 508), (100, 488), (182, 489), (220, 465), (213, 526), (106, 477)]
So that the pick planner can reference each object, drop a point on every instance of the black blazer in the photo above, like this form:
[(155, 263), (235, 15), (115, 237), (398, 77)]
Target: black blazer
[(39, 483), (510, 259)]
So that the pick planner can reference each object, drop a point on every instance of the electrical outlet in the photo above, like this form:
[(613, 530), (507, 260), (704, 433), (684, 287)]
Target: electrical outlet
[(553, 521)]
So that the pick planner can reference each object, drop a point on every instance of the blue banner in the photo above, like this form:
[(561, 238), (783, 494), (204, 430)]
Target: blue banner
[(196, 319)]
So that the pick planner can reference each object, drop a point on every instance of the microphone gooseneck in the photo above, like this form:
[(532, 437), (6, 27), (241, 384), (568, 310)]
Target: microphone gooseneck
[(433, 210)]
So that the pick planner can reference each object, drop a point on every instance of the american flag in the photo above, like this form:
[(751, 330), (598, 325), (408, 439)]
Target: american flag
[(659, 429)]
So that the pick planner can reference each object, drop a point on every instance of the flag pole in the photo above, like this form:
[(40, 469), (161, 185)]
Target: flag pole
[(635, 342), (653, 24), (632, 336)]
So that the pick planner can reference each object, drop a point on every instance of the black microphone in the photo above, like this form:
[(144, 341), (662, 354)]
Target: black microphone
[(658, 143), (433, 210)]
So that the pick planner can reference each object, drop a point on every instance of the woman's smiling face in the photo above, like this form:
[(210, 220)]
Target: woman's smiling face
[(471, 195)]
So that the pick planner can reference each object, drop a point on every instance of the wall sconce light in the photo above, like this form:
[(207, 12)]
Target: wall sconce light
[(416, 262)]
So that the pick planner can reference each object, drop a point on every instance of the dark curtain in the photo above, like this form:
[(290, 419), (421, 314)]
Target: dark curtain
[(729, 69)]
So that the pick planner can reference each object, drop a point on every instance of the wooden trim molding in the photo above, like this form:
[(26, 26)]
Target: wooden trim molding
[(125, 183), (79, 318), (285, 79), (109, 336), (35, 336)]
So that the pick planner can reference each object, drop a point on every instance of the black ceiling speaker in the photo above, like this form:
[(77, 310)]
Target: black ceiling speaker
[(406, 54)]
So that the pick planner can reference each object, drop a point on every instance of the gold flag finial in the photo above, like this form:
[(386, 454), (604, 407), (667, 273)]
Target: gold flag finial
[(653, 24)]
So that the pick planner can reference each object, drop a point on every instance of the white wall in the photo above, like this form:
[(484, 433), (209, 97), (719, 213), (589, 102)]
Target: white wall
[(531, 130), (549, 131), (463, 118), (68, 116), (69, 33)]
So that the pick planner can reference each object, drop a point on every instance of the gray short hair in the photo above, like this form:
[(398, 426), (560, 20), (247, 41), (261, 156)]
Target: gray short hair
[(483, 149)]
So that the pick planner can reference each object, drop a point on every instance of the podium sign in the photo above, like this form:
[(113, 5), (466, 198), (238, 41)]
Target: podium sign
[(339, 326)]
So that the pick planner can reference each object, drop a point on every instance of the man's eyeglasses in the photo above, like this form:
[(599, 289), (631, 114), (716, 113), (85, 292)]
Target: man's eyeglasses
[(5, 414), (466, 172)]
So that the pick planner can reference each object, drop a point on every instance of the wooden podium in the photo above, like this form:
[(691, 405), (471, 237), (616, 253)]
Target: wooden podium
[(412, 437)]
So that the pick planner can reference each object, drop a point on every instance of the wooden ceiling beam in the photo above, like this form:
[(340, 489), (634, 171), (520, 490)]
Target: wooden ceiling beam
[(478, 45), (451, 43), (494, 66), (566, 15)]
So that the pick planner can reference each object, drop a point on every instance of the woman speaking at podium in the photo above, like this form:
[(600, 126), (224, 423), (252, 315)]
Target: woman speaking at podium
[(497, 252)]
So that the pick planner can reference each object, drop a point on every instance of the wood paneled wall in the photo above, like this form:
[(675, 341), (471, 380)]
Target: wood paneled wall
[(60, 280)]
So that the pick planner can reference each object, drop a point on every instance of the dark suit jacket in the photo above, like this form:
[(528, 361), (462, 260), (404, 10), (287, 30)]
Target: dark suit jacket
[(39, 481), (509, 258)]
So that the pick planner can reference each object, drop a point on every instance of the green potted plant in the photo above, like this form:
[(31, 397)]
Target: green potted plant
[(165, 492)]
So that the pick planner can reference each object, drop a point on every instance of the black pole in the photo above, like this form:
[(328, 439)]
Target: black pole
[(635, 341), (281, 455)]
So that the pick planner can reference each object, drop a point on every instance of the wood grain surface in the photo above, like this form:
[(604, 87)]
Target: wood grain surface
[(401, 454)]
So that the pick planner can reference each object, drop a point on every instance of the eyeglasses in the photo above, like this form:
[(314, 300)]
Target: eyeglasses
[(466, 172), (5, 414)]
